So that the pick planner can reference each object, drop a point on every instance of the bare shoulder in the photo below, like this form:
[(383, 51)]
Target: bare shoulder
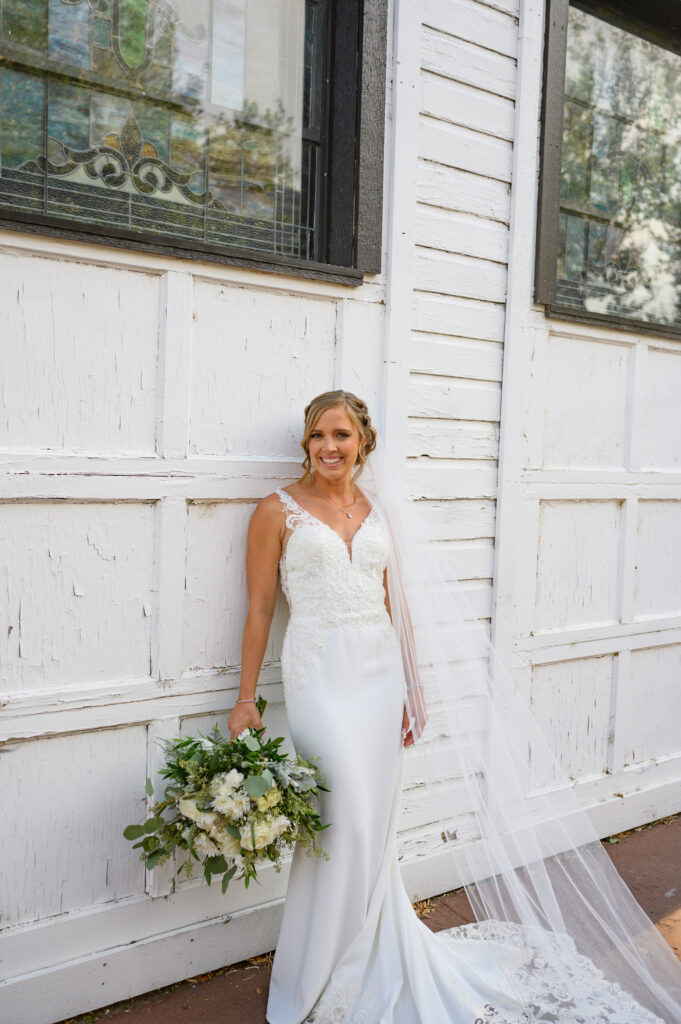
[(268, 511)]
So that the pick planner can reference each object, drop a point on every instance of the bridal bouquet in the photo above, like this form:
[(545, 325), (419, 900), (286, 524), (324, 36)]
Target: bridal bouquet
[(232, 804)]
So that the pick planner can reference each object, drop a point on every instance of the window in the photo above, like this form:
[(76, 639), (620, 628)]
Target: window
[(222, 127), (609, 228)]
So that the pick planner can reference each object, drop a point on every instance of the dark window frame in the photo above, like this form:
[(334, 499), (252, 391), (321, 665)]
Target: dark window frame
[(351, 198), (654, 21)]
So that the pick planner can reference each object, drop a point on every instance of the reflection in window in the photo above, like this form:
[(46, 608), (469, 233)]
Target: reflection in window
[(179, 118), (620, 206)]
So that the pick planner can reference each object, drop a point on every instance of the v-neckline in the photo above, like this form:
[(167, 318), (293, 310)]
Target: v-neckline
[(348, 547)]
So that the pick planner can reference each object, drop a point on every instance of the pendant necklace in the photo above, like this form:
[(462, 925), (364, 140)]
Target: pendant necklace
[(337, 507)]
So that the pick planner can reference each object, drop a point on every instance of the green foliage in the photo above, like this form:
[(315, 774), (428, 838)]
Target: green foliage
[(196, 768)]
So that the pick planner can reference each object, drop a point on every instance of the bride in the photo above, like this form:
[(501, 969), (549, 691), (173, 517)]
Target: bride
[(558, 936)]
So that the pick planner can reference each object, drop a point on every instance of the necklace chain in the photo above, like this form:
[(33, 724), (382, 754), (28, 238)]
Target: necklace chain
[(337, 507)]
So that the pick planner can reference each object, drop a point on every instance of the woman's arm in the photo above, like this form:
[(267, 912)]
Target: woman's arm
[(262, 564)]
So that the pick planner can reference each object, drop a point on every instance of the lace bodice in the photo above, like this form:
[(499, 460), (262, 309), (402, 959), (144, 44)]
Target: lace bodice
[(327, 584)]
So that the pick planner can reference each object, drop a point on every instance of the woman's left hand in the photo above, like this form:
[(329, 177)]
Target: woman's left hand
[(407, 738)]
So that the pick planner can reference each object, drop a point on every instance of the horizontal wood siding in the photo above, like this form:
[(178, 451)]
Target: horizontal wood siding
[(460, 257)]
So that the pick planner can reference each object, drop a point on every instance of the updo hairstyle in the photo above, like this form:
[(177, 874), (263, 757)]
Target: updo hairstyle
[(358, 413)]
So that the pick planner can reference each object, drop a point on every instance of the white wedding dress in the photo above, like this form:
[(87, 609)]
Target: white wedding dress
[(351, 949)]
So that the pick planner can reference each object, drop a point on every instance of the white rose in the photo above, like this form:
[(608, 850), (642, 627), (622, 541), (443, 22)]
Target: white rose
[(204, 819), (268, 799), (280, 824), (264, 834), (229, 846)]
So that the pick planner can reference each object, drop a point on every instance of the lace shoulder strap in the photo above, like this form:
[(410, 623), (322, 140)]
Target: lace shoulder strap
[(294, 513)]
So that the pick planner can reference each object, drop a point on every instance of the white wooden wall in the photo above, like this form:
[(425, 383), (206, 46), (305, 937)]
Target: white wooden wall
[(455, 261), (146, 404), (587, 602)]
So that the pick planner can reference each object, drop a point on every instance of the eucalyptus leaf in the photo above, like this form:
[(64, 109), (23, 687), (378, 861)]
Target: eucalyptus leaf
[(232, 830), (150, 788), (227, 877), (133, 831), (216, 865), (153, 859), (153, 824), (257, 785), (251, 742)]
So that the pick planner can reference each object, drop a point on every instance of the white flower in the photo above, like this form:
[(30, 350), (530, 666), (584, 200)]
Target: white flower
[(232, 805), (204, 846), (268, 799), (244, 732), (280, 824), (226, 782), (234, 778), (229, 846), (265, 832), (204, 819)]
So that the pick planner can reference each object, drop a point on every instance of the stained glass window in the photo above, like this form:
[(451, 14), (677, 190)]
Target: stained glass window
[(619, 241), (186, 120)]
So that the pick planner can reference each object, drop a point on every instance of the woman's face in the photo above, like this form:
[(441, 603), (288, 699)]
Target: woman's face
[(334, 444)]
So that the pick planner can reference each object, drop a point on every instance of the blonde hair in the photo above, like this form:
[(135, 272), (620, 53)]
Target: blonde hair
[(358, 413)]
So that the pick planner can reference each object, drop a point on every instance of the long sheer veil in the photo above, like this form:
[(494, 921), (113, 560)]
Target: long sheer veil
[(526, 850)]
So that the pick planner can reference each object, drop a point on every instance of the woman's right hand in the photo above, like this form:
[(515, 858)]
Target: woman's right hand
[(241, 717)]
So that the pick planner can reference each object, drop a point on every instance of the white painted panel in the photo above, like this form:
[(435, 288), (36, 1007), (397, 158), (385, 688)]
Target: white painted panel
[(77, 592), (466, 62), (468, 150), (443, 439), (651, 723), (477, 23), (585, 403), (571, 702), (450, 398), (461, 233), (80, 372), (458, 317), (467, 559), (577, 563), (455, 189), (456, 357), (258, 359), (467, 106), (69, 799), (657, 574), (451, 478), (660, 419), (461, 276), (216, 594), (458, 519)]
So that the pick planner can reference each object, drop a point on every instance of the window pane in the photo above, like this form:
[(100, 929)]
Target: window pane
[(620, 217), (182, 119)]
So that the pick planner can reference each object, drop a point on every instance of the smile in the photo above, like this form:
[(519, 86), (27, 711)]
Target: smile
[(330, 462)]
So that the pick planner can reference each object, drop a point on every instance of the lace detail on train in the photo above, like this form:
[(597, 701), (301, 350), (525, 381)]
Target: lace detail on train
[(326, 585), (592, 999)]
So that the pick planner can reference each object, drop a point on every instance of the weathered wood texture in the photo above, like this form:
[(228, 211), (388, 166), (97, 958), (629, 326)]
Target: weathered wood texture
[(146, 405), (586, 605)]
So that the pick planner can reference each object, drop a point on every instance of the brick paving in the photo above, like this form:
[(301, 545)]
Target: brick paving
[(648, 858)]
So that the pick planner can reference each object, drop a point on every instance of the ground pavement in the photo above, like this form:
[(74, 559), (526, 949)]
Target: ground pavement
[(648, 858)]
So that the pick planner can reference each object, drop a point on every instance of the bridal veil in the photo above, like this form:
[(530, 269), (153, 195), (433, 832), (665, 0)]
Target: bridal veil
[(530, 856)]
